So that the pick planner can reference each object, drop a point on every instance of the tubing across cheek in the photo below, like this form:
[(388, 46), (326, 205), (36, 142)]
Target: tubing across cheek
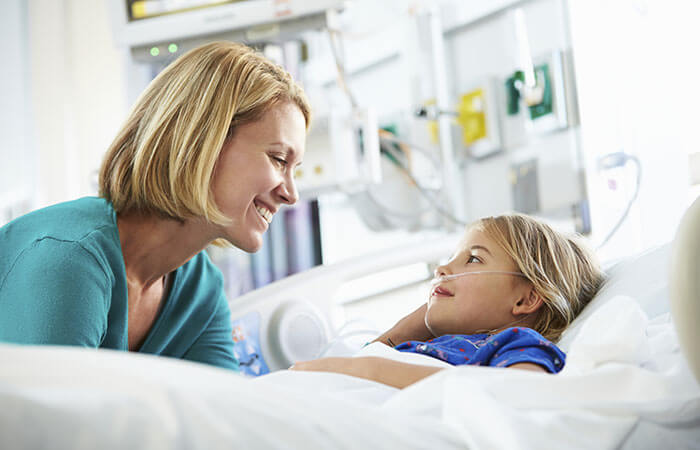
[(444, 278)]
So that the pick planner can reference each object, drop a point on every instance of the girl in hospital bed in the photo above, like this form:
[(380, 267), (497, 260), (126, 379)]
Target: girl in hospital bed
[(502, 300)]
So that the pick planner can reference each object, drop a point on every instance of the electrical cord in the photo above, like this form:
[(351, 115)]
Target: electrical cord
[(428, 195), (615, 160), (340, 66), (343, 337), (393, 212), (422, 150), (384, 137), (342, 81)]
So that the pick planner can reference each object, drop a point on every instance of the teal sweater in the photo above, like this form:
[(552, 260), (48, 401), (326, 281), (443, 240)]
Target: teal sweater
[(63, 282)]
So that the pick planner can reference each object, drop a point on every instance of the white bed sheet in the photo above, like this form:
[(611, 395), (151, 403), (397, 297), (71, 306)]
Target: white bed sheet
[(625, 385), (69, 398)]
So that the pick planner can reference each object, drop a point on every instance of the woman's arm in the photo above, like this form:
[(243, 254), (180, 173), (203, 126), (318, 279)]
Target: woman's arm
[(382, 370), (410, 328)]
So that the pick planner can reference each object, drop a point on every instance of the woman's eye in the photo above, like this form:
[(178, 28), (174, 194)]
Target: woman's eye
[(280, 161), (472, 259)]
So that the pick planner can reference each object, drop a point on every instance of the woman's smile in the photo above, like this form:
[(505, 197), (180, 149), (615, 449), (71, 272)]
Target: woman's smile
[(264, 211)]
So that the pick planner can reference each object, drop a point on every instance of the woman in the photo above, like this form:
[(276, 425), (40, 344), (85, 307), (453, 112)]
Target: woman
[(503, 300), (206, 156)]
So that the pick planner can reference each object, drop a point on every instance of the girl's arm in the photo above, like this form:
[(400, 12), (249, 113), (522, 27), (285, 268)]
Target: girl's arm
[(528, 366), (382, 370), (410, 328)]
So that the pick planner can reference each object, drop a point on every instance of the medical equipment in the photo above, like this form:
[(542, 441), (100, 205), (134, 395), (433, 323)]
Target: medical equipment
[(163, 35), (620, 159)]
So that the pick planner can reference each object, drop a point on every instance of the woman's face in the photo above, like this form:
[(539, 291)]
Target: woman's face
[(254, 174), (476, 303)]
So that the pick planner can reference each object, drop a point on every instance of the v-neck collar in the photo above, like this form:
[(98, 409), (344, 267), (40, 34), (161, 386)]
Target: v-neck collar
[(163, 310)]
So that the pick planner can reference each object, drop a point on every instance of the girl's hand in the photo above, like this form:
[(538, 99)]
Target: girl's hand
[(410, 328)]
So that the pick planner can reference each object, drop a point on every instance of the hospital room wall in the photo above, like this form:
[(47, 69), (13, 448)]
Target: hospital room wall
[(637, 78), (17, 153), (74, 100)]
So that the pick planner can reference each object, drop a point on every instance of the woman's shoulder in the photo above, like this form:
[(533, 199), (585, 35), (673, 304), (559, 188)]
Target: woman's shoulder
[(67, 221), (80, 228)]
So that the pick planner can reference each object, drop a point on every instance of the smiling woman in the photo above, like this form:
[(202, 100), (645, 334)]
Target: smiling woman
[(206, 156)]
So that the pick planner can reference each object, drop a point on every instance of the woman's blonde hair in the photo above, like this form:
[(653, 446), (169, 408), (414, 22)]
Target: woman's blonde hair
[(163, 158), (564, 272)]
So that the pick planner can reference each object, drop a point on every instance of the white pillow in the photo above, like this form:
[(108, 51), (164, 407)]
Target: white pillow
[(643, 278), (615, 332)]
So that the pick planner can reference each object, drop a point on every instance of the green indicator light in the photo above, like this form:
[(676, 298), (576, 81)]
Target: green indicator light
[(172, 48), (155, 51)]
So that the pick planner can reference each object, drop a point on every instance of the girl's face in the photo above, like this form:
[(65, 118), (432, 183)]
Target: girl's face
[(254, 174), (481, 302)]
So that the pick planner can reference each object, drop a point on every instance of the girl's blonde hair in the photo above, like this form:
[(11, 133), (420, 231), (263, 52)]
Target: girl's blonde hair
[(163, 158), (563, 271)]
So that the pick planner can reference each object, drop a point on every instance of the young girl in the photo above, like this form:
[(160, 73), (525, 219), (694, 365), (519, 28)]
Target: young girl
[(502, 300)]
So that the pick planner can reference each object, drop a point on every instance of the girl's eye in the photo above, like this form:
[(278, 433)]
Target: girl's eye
[(472, 259)]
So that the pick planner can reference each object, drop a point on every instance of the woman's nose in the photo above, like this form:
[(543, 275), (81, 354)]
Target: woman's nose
[(287, 191)]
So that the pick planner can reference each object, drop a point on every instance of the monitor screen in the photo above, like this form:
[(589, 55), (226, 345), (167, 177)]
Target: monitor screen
[(155, 22), (146, 9)]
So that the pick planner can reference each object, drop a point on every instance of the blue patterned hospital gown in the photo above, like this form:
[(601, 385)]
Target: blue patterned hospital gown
[(511, 346)]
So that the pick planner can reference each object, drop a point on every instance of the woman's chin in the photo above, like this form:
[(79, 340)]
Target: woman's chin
[(253, 247), (249, 244)]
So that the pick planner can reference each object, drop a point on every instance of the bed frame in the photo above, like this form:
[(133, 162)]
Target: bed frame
[(684, 286)]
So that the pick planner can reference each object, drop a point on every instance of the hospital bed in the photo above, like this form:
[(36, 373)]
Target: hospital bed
[(631, 378)]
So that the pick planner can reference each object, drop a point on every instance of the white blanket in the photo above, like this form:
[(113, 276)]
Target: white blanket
[(625, 384)]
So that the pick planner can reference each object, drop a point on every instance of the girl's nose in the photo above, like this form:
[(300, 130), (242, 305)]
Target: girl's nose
[(440, 271)]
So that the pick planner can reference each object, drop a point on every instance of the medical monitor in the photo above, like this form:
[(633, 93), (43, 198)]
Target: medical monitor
[(157, 28)]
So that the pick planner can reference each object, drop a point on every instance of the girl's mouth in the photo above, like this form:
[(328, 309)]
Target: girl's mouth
[(440, 291)]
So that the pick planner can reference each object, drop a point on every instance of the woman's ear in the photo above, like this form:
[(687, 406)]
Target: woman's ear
[(530, 302)]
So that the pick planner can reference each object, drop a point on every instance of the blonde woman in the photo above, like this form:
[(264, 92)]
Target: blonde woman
[(206, 155), (503, 300)]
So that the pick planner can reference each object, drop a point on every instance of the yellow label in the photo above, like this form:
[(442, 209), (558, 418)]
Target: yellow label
[(472, 116)]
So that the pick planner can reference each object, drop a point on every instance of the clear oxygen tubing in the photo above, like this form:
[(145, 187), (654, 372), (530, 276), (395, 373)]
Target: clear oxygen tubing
[(342, 336), (443, 278)]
